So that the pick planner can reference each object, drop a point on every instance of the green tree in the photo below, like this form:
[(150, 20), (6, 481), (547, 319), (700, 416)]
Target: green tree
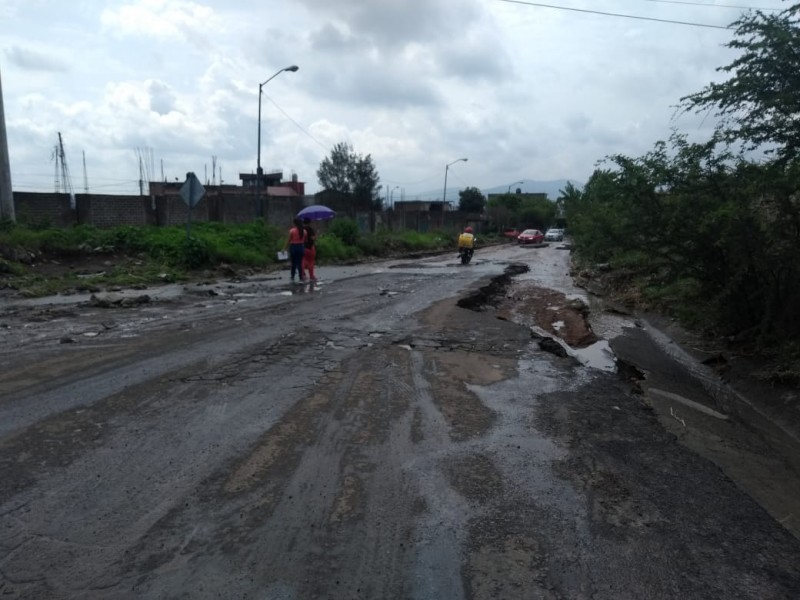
[(471, 199), (346, 172), (706, 231), (503, 210), (537, 212), (760, 104), (364, 179), (511, 202), (703, 231), (334, 171), (568, 194)]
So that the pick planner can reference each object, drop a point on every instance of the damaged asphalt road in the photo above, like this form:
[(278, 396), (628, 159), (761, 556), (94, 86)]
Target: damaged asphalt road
[(397, 431)]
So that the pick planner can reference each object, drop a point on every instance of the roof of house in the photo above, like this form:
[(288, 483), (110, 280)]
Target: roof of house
[(274, 190)]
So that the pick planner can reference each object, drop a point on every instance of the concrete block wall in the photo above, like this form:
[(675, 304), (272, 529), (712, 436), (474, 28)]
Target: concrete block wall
[(283, 210), (44, 208), (168, 208), (232, 209), (111, 211), (172, 210)]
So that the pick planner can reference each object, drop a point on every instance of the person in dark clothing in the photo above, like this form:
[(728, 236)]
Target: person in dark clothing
[(310, 255), (296, 245)]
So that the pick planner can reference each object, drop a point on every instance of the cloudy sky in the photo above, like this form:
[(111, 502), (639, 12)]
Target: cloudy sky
[(522, 91)]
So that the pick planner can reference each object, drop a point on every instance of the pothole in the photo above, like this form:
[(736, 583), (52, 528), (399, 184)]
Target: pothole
[(493, 294)]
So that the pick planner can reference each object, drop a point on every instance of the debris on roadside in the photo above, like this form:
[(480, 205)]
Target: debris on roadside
[(118, 301), (550, 345)]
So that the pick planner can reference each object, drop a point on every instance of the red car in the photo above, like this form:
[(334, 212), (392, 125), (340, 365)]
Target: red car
[(510, 233), (530, 236)]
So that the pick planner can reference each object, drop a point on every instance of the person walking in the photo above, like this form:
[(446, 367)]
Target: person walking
[(310, 255), (296, 246)]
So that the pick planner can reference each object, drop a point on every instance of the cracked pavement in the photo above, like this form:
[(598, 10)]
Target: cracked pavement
[(365, 438)]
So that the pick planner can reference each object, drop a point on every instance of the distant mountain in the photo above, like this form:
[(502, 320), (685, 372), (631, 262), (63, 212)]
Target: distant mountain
[(530, 186)]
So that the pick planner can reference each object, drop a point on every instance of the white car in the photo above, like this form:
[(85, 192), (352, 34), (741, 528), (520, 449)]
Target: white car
[(554, 235)]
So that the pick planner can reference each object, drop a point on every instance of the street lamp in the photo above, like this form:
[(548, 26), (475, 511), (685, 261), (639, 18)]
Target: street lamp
[(444, 194), (515, 183), (391, 193), (259, 171)]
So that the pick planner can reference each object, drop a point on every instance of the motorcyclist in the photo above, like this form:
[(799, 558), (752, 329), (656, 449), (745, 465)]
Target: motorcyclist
[(466, 245), (466, 239)]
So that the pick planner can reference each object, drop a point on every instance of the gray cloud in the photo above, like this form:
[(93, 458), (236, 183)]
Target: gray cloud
[(524, 92), (162, 98), (31, 60), (400, 23)]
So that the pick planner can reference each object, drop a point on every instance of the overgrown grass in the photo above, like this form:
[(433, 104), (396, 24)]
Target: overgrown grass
[(147, 255), (210, 243), (387, 243)]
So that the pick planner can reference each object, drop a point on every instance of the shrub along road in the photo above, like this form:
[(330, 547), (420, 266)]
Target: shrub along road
[(367, 437)]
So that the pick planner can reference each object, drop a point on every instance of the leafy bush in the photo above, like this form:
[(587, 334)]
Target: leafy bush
[(194, 253), (386, 243), (331, 248), (373, 245), (346, 230), (719, 234), (129, 239), (10, 268), (6, 225)]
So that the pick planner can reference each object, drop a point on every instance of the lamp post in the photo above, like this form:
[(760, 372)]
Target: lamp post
[(259, 171), (391, 194), (515, 183), (444, 194)]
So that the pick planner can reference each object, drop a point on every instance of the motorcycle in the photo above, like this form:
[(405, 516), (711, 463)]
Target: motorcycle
[(465, 255)]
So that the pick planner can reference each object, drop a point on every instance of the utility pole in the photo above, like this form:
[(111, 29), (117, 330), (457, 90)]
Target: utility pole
[(57, 161), (85, 176), (6, 193), (66, 179)]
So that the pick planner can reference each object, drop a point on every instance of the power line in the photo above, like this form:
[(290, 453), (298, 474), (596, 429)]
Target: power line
[(711, 5), (607, 14), (300, 127)]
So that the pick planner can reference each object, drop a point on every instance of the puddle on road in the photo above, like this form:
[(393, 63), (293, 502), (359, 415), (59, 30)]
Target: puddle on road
[(166, 292), (607, 325), (597, 356)]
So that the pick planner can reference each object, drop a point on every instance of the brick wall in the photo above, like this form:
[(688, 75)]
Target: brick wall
[(166, 207), (424, 220), (110, 211), (44, 208), (283, 210), (172, 210), (230, 208)]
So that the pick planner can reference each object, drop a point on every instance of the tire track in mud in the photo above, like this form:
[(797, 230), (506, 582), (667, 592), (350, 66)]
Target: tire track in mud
[(70, 442), (57, 441), (503, 548), (331, 490), (205, 391), (303, 482), (351, 478), (416, 465)]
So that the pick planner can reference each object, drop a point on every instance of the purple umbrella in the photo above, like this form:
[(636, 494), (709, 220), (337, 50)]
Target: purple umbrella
[(316, 212)]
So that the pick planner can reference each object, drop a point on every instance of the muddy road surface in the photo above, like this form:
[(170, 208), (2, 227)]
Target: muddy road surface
[(410, 429)]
